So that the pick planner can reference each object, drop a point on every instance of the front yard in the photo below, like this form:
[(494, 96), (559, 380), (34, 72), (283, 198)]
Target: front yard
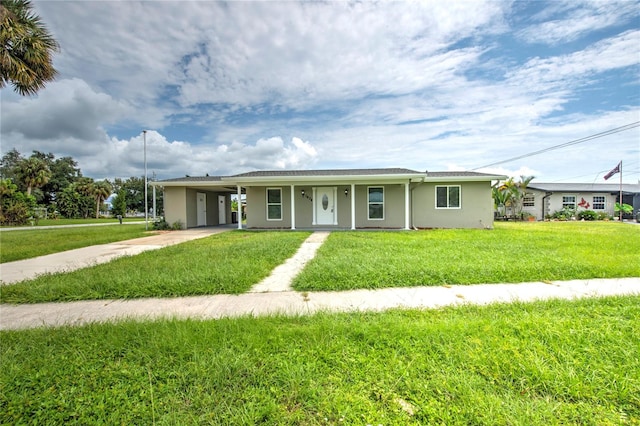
[(511, 253), (544, 363), (234, 261)]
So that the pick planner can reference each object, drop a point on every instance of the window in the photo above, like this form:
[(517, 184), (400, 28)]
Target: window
[(376, 203), (569, 202), (274, 204), (598, 202), (448, 197), (529, 200)]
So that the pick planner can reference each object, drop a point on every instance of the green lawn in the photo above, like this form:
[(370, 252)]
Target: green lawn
[(18, 245), (544, 363), (230, 262), (512, 252)]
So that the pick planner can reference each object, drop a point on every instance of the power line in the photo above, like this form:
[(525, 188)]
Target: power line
[(563, 145)]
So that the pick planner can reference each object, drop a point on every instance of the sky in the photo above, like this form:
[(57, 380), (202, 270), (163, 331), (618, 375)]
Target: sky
[(229, 87)]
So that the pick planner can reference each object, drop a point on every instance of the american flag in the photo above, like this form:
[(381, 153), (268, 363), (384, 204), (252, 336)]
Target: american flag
[(615, 170)]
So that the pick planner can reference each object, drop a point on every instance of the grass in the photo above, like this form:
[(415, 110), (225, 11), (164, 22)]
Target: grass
[(89, 221), (544, 363), (111, 220), (512, 252), (230, 263), (18, 245)]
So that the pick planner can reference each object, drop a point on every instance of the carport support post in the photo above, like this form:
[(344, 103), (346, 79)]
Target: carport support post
[(353, 206), (239, 207), (407, 205), (293, 208)]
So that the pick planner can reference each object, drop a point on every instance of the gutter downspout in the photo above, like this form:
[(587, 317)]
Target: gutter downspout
[(412, 189), (239, 207), (544, 203)]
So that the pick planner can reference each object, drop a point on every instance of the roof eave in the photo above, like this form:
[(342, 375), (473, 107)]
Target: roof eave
[(341, 179), (464, 178)]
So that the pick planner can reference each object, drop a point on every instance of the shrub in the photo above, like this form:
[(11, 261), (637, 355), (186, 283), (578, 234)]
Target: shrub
[(564, 214), (161, 225), (177, 225), (587, 215)]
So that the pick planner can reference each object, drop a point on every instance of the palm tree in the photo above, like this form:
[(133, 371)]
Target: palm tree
[(26, 48), (101, 191), (33, 172)]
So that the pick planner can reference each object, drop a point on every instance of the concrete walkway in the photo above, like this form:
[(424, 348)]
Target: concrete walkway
[(294, 303), (283, 275), (12, 272)]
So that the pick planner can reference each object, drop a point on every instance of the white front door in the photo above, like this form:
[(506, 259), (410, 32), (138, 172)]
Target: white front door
[(222, 209), (202, 209), (324, 201)]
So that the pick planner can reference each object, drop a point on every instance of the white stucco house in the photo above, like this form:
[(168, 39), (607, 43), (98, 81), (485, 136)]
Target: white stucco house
[(392, 198), (543, 199)]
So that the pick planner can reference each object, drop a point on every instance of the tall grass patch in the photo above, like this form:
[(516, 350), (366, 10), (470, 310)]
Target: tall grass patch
[(18, 245), (544, 363), (512, 252), (230, 262)]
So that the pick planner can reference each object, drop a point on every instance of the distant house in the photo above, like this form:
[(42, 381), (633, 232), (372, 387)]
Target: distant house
[(543, 199), (335, 199)]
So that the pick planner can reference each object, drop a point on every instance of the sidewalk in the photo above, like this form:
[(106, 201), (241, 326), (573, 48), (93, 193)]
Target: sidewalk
[(12, 272), (14, 317)]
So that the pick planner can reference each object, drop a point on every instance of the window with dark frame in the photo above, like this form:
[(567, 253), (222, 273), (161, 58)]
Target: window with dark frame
[(569, 202), (448, 197), (376, 203), (274, 204), (599, 202)]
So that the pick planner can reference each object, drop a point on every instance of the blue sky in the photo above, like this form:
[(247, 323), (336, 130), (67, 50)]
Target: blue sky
[(225, 88)]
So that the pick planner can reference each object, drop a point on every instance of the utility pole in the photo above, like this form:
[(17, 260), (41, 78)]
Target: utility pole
[(146, 203)]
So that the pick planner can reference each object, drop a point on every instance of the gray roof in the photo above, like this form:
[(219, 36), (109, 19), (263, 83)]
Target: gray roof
[(584, 187), (336, 172), (459, 174), (195, 179)]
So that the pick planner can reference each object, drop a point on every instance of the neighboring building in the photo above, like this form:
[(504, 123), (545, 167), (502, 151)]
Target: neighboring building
[(335, 199), (543, 199)]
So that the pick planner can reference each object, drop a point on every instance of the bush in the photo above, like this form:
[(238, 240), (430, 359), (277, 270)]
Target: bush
[(587, 215), (564, 214), (177, 225), (161, 225)]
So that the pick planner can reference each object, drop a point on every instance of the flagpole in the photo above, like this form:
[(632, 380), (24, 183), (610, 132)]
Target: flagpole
[(620, 191)]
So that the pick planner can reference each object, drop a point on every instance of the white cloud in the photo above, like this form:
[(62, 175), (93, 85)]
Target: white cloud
[(579, 19)]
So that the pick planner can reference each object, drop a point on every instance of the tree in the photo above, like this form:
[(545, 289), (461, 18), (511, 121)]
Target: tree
[(64, 172), (9, 163), (15, 207), (119, 204), (72, 203), (101, 191), (26, 48), (33, 172)]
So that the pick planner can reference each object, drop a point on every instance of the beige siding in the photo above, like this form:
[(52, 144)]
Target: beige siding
[(393, 207), (476, 209), (181, 204), (175, 205), (257, 208)]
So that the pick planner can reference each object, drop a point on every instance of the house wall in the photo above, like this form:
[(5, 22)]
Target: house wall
[(476, 206), (175, 204), (550, 204), (393, 207), (181, 204), (257, 208)]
